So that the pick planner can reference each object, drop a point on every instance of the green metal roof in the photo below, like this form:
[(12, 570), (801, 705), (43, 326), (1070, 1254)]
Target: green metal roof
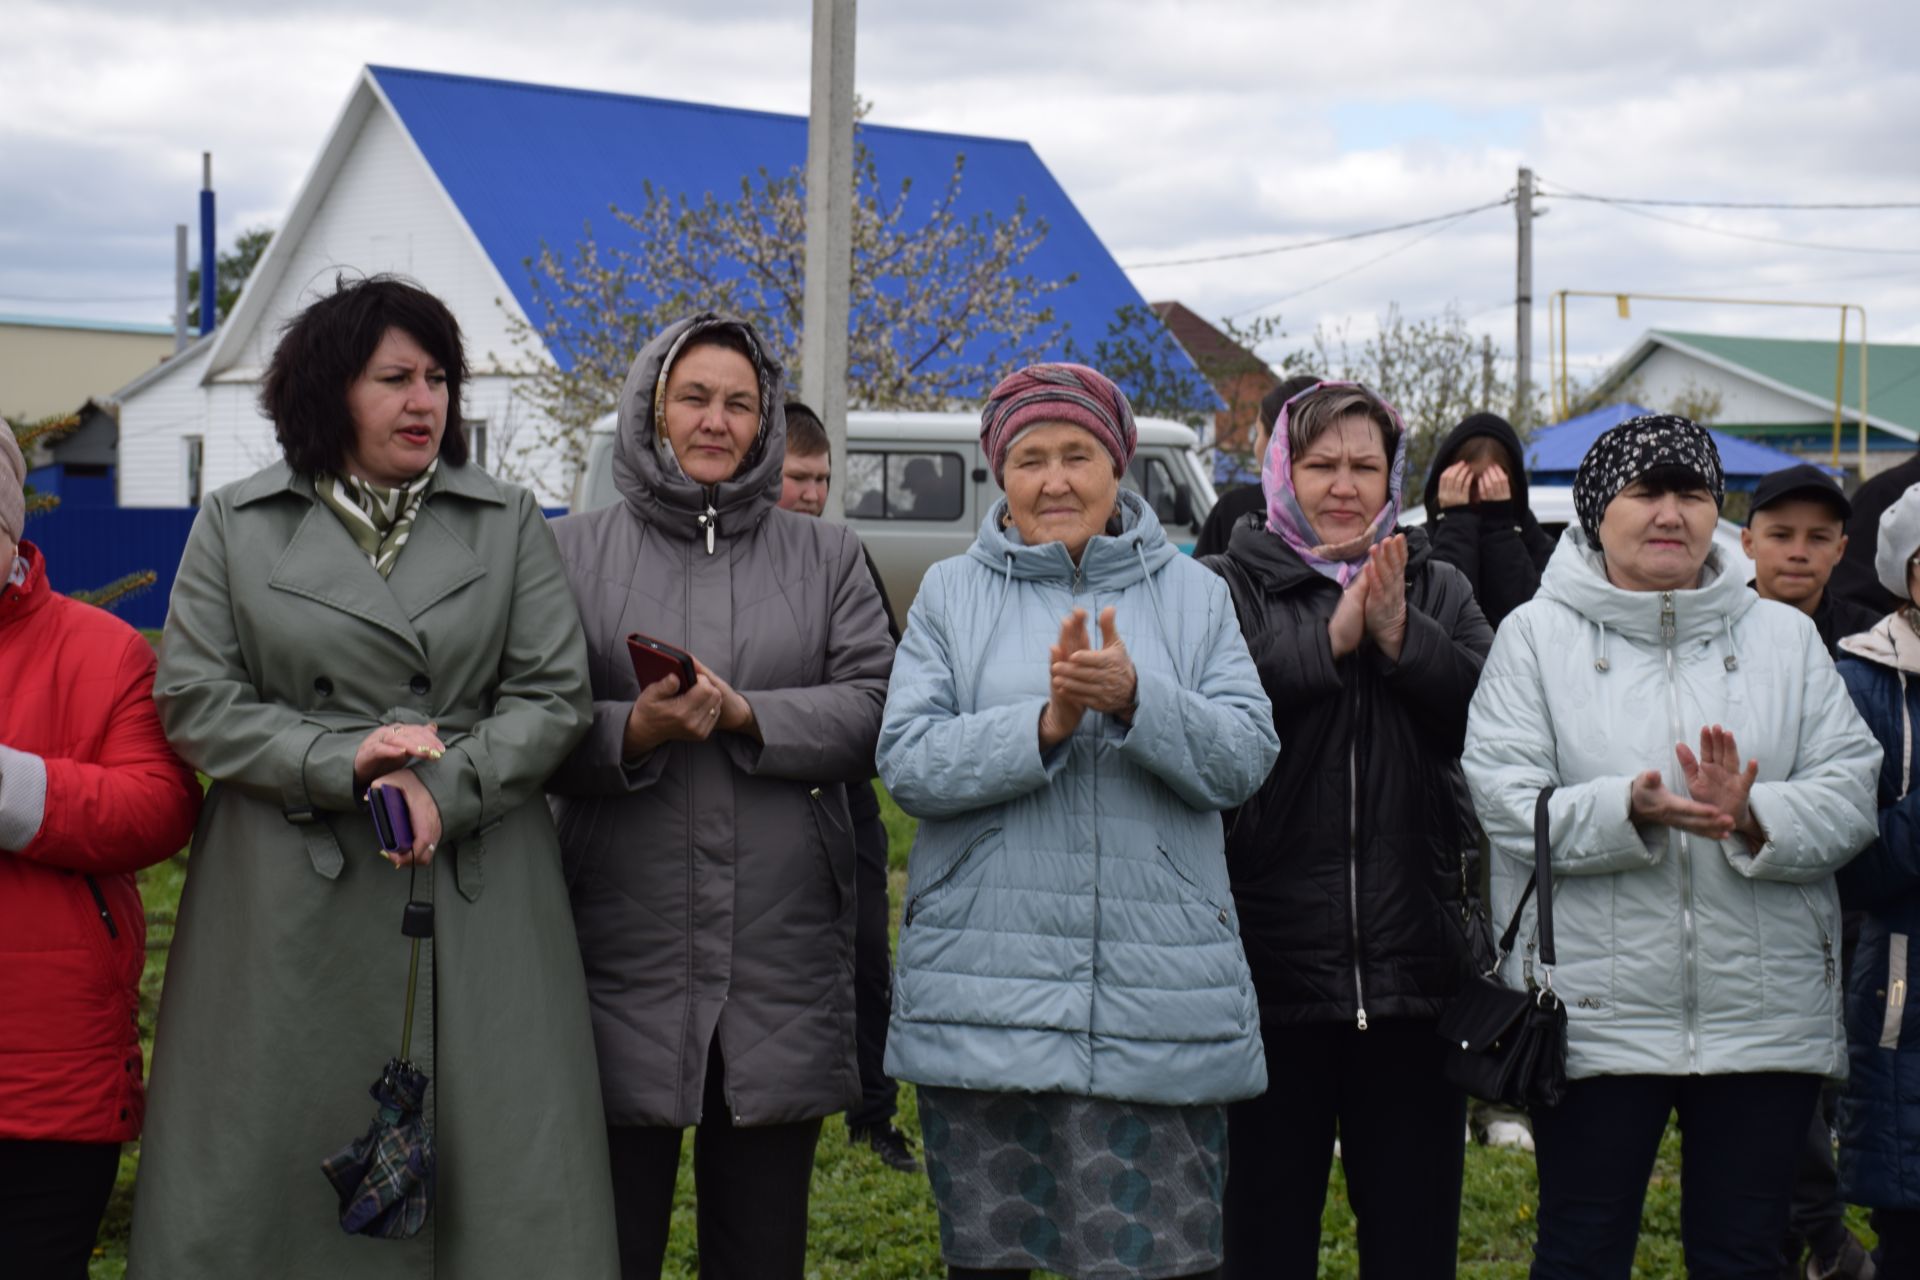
[(1893, 371)]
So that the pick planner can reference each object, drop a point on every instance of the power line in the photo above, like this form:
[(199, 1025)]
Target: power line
[(1620, 207), (1397, 249), (1315, 244), (1737, 204)]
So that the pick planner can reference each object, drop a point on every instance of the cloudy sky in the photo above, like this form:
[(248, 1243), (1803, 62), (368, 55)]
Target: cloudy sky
[(1181, 128)]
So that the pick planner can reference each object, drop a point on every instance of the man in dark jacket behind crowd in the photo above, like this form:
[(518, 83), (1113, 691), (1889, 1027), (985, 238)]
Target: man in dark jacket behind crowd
[(1796, 533), (1854, 577), (805, 478)]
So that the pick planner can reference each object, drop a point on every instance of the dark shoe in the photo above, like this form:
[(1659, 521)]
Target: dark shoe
[(889, 1144), (1854, 1263)]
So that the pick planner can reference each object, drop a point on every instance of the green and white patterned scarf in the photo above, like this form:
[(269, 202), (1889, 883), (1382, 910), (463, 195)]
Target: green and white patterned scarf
[(379, 520)]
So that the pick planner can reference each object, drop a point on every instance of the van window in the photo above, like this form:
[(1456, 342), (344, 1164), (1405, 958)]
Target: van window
[(905, 486), (1152, 479)]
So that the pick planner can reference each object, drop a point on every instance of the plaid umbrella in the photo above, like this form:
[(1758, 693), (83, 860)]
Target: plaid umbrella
[(385, 1177)]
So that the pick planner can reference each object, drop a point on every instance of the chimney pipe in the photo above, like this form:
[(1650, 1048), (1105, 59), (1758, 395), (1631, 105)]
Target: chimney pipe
[(179, 287), (209, 264)]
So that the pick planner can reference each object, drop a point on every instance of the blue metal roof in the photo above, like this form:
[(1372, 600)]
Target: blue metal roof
[(530, 164), (1554, 453)]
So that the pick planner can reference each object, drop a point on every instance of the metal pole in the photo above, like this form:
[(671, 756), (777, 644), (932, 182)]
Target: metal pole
[(209, 266), (179, 287), (825, 305), (1523, 298), (1840, 387)]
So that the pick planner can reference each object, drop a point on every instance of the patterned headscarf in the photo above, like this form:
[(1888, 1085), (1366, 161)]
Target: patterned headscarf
[(1070, 393), (1624, 453), (1285, 516), (378, 519)]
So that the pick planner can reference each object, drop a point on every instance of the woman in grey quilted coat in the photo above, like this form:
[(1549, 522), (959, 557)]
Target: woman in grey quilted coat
[(704, 830)]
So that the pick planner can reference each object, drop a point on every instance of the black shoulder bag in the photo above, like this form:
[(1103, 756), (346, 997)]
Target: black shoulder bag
[(1509, 1046)]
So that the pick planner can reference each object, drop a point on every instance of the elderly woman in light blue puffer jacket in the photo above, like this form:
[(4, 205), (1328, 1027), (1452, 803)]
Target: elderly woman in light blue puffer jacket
[(1711, 774), (1070, 707)]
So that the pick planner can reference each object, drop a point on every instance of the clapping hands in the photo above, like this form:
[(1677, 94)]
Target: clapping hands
[(1719, 784), (1374, 605), (1083, 678)]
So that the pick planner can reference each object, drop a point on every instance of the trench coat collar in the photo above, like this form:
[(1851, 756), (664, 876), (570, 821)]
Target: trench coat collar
[(435, 564)]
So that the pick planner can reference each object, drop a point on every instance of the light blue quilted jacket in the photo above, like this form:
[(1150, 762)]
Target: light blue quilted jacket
[(1069, 926)]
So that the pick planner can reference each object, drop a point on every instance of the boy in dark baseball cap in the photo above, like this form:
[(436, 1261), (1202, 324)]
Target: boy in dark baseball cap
[(1796, 533)]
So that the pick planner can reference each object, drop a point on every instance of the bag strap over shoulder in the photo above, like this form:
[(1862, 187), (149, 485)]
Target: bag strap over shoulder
[(1543, 880)]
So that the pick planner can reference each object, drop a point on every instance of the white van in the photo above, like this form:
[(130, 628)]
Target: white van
[(916, 486)]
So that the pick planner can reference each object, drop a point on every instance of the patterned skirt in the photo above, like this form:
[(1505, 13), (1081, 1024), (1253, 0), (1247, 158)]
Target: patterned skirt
[(1084, 1187)]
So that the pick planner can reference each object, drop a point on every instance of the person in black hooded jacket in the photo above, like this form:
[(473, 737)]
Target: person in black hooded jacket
[(1478, 518), (1355, 866)]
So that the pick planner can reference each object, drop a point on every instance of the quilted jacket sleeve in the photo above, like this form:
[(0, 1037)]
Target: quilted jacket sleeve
[(826, 732), (130, 804), (936, 760), (1439, 667), (1214, 743), (1823, 813), (1510, 756)]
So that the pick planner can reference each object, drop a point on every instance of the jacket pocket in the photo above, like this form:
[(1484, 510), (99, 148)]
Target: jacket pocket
[(1830, 963), (1194, 893), (832, 834), (1896, 991), (941, 881)]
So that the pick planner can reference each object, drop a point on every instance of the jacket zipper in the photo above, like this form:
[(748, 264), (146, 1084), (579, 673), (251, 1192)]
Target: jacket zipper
[(1353, 861), (100, 901), (1677, 844), (707, 520)]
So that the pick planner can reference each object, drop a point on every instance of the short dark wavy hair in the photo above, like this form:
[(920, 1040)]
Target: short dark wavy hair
[(324, 348)]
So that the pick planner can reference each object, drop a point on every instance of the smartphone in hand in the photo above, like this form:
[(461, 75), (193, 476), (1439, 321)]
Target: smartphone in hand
[(390, 821), (655, 660)]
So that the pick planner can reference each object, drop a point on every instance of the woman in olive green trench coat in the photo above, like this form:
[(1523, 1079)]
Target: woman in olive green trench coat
[(287, 979)]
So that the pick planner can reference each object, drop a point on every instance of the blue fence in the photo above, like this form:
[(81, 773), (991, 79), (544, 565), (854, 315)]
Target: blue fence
[(88, 547)]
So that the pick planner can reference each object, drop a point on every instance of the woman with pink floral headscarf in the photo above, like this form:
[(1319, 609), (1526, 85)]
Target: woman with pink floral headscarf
[(1354, 866)]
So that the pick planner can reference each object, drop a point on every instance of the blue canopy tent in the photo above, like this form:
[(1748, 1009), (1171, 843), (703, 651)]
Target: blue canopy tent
[(1554, 453)]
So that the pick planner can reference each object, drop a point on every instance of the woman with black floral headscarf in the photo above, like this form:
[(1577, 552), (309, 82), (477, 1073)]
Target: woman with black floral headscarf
[(1709, 775)]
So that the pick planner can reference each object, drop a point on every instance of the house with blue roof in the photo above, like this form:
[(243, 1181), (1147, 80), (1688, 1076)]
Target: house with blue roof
[(1554, 452), (456, 181)]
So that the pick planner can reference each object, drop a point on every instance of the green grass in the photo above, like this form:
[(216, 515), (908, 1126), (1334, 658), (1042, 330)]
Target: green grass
[(870, 1223)]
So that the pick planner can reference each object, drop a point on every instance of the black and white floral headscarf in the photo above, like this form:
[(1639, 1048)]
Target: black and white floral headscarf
[(1625, 453)]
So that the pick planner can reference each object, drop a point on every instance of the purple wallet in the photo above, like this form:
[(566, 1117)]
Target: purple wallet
[(390, 821)]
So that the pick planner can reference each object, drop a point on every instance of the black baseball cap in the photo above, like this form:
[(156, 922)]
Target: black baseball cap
[(1803, 481)]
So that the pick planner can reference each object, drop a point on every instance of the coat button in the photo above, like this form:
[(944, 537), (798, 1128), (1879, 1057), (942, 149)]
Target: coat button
[(420, 685), (323, 686)]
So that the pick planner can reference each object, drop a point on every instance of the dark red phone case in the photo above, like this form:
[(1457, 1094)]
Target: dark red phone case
[(655, 660)]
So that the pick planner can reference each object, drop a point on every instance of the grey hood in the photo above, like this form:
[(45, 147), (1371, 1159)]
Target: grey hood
[(656, 491)]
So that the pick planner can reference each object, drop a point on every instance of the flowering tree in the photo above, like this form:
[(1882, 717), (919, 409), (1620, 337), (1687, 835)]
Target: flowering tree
[(940, 306)]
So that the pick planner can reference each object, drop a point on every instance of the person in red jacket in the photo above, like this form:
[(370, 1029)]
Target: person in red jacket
[(89, 793)]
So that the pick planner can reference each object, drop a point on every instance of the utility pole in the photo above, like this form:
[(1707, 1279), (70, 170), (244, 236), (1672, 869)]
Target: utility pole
[(1523, 299), (179, 287), (829, 263)]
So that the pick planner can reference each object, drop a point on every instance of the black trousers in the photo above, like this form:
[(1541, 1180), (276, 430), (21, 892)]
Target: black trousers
[(1899, 1232), (1817, 1218), (750, 1186), (51, 1197), (872, 962), (1402, 1136), (1741, 1141)]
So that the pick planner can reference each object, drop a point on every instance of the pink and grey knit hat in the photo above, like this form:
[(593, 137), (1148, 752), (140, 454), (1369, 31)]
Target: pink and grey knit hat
[(1070, 393)]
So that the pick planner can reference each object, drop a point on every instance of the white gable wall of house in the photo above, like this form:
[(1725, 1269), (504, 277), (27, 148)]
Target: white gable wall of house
[(381, 210), (1668, 377), (156, 422)]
